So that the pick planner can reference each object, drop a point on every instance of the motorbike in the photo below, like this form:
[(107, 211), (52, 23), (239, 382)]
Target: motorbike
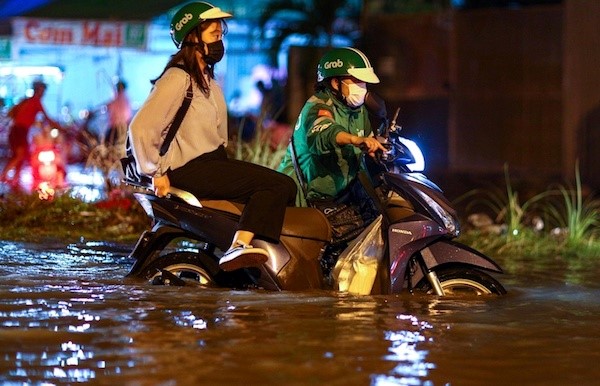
[(419, 227), (82, 135), (47, 163)]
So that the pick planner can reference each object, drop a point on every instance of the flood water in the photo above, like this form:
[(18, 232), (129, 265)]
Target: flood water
[(68, 316)]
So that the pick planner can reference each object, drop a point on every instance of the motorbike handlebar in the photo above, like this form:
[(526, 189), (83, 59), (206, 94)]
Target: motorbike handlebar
[(380, 155)]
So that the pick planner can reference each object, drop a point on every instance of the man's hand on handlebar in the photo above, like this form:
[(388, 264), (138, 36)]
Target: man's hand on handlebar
[(369, 145)]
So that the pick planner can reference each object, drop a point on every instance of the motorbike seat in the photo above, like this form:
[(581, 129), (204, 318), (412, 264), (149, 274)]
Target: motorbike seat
[(307, 223), (222, 205)]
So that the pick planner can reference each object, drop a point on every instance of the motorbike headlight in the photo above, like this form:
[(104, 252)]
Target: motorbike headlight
[(46, 156), (419, 164), (449, 221)]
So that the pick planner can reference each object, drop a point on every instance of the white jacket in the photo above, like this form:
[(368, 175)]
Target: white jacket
[(203, 129)]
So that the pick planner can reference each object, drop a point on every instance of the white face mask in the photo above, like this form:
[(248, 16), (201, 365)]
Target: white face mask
[(356, 94)]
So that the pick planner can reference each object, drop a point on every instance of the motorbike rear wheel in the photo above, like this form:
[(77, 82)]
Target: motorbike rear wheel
[(458, 281), (187, 266)]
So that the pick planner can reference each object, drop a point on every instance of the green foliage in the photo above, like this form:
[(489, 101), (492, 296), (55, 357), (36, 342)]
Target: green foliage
[(313, 20), (105, 159), (573, 221), (504, 204), (407, 6), (528, 243), (579, 216), (26, 217), (260, 149), (260, 152)]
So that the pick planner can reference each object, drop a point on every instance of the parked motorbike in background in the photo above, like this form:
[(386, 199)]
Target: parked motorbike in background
[(81, 135), (418, 227), (89, 147)]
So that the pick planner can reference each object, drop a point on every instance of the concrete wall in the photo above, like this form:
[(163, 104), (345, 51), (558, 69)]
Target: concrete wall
[(410, 54), (506, 96), (581, 90), (486, 87)]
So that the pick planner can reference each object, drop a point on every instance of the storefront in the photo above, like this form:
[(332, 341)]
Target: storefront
[(79, 60)]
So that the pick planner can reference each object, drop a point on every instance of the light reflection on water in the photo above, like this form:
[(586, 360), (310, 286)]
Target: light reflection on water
[(67, 314), (86, 184)]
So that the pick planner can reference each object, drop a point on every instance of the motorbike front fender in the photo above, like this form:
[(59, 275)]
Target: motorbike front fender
[(451, 252), (445, 251)]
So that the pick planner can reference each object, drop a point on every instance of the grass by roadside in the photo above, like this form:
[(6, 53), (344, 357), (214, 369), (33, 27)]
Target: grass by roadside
[(24, 217), (562, 220)]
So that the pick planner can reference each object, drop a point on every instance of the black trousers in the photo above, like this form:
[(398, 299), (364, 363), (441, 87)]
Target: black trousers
[(265, 192)]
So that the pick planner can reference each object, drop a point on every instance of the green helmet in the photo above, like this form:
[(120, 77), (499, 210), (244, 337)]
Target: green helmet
[(346, 62), (190, 15)]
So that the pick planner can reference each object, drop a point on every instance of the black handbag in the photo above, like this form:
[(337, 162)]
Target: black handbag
[(345, 219)]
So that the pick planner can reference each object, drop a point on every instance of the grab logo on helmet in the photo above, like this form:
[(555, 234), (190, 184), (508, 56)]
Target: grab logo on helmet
[(184, 20), (335, 64)]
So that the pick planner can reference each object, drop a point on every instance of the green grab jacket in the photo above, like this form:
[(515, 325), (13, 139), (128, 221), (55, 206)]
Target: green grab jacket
[(327, 168)]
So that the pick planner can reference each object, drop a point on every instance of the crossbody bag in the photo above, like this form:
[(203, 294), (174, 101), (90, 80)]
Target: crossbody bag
[(128, 162)]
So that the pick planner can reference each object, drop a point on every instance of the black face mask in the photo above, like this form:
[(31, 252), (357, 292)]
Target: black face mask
[(216, 50)]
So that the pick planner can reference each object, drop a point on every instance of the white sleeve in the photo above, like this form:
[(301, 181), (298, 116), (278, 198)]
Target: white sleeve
[(149, 125)]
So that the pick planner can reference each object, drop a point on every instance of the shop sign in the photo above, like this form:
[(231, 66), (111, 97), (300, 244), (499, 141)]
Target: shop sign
[(4, 47), (84, 33)]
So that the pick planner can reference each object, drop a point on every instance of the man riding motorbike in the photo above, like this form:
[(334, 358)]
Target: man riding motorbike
[(332, 126), (332, 130)]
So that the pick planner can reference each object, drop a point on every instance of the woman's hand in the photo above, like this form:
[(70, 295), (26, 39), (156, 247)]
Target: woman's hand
[(161, 185)]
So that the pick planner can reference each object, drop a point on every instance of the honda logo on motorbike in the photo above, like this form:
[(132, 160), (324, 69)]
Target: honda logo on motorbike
[(402, 231), (184, 20), (337, 64)]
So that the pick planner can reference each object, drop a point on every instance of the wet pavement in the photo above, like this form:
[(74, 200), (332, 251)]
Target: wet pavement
[(68, 315)]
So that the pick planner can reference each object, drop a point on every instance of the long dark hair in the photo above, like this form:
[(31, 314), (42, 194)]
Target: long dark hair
[(186, 57)]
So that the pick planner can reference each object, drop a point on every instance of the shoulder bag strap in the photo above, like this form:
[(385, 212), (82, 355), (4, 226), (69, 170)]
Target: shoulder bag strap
[(178, 119)]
